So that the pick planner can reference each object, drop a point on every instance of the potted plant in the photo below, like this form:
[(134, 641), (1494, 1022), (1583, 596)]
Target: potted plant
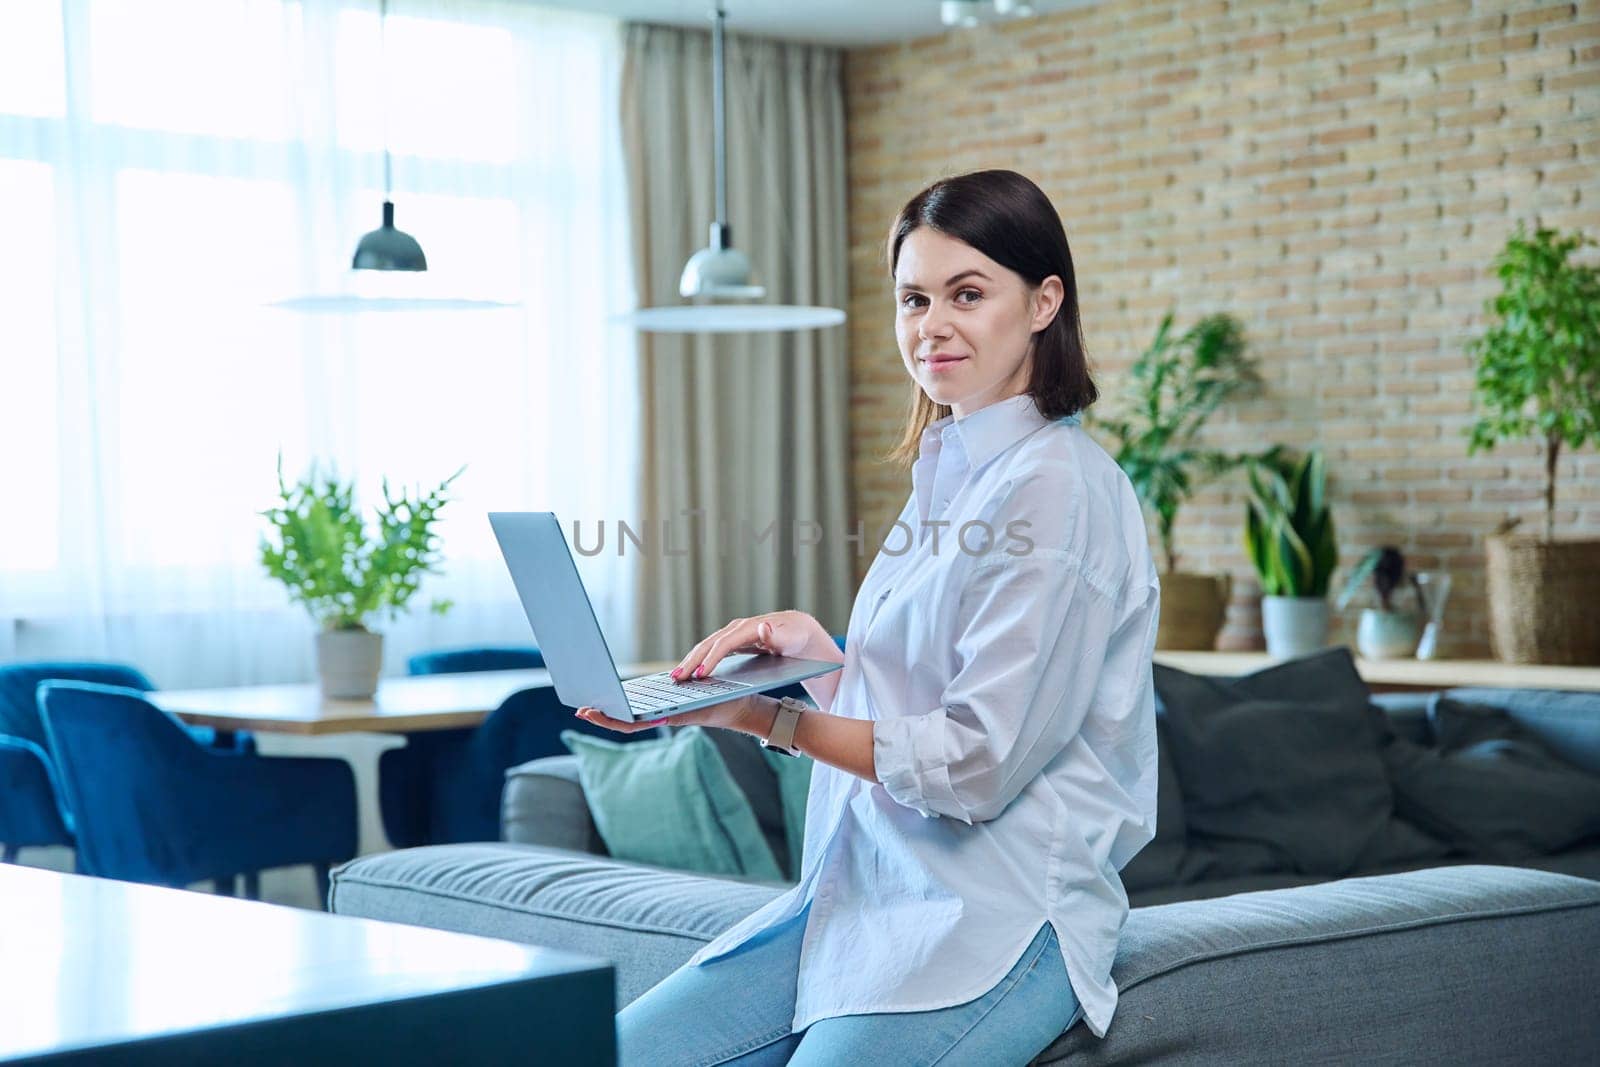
[(1176, 385), (1387, 631), (1289, 537), (319, 547), (1538, 375)]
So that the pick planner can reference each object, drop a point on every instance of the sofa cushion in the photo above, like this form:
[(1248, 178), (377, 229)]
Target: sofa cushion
[(747, 762), (794, 788), (1583, 862), (1287, 757), (1220, 887), (671, 802), (1568, 724), (1490, 787), (543, 804), (1160, 862)]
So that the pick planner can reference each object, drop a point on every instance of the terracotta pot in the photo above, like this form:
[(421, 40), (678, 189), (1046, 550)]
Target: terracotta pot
[(348, 662), (1193, 607), (1542, 599)]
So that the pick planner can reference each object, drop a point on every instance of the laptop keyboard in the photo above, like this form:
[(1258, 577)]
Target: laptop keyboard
[(656, 691)]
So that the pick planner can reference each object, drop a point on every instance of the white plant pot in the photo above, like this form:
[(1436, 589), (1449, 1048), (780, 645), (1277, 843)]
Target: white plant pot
[(348, 662), (1294, 625), (1386, 634)]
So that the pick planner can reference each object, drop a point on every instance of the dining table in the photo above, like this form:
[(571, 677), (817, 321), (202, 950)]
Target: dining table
[(299, 720), (400, 706)]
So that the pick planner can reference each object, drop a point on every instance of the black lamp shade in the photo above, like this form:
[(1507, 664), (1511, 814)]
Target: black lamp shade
[(387, 248)]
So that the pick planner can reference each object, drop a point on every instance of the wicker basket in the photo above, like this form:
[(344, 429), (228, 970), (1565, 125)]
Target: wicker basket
[(1544, 600), (1193, 607)]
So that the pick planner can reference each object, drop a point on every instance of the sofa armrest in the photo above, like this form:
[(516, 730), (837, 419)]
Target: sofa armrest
[(647, 920), (543, 804), (1459, 965)]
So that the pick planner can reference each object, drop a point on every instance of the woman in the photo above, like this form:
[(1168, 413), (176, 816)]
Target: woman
[(986, 759)]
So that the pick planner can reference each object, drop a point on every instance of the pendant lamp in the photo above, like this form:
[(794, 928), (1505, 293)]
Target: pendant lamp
[(386, 249), (720, 272)]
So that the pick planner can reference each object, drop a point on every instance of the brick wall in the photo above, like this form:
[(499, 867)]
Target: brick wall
[(1339, 175)]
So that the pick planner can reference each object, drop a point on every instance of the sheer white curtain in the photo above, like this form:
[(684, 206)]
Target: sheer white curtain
[(170, 167)]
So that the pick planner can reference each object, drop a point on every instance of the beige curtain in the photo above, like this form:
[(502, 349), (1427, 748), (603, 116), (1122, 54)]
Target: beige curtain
[(739, 431)]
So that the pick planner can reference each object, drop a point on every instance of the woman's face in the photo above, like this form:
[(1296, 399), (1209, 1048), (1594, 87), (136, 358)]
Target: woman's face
[(964, 323)]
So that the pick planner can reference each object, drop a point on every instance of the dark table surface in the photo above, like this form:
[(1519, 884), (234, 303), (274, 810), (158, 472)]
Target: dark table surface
[(96, 971)]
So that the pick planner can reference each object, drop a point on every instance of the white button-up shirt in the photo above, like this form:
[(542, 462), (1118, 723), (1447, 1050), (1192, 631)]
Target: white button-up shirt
[(1004, 659)]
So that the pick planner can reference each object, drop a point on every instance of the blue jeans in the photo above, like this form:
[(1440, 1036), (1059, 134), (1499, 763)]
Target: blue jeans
[(737, 1009)]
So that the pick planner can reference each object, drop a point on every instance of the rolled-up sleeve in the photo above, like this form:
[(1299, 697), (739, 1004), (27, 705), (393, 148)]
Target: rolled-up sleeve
[(1031, 640)]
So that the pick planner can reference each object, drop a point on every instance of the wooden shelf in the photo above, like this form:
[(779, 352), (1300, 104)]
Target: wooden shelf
[(1404, 674)]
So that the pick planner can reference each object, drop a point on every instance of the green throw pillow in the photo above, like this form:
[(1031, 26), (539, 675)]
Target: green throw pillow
[(794, 782), (671, 802)]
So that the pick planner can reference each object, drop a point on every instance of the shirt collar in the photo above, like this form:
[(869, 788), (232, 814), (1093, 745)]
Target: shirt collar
[(990, 430)]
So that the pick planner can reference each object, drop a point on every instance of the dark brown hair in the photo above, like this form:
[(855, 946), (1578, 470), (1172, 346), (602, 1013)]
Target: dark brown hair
[(1009, 219)]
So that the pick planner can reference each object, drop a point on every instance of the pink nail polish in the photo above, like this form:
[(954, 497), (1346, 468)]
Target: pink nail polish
[(699, 672), (675, 672)]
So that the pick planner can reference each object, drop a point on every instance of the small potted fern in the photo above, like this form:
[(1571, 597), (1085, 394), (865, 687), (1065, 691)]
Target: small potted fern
[(1175, 386), (1290, 539), (319, 547)]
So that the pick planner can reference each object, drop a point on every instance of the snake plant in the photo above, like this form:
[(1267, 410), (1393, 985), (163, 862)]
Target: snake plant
[(1289, 533)]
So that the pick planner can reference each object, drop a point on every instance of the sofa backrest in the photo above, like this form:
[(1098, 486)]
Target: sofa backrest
[(1569, 723)]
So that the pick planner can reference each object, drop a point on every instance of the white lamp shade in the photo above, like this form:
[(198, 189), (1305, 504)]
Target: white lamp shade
[(366, 290), (731, 318)]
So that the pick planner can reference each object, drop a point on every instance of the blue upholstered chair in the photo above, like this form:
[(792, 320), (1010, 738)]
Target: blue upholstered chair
[(444, 786), (483, 658), (152, 804), (32, 811)]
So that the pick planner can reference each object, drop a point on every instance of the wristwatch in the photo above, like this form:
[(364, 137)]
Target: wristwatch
[(786, 718)]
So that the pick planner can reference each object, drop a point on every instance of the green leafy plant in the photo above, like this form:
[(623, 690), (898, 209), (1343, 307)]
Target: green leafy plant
[(1289, 533), (1538, 366), (319, 547), (1176, 384)]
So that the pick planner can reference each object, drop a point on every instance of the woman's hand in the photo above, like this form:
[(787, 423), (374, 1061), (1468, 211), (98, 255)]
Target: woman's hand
[(778, 633), (739, 714)]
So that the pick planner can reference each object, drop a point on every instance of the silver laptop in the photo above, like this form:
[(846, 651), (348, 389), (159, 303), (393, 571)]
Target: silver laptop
[(575, 651)]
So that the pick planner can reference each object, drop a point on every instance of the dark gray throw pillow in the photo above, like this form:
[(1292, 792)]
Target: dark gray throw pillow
[(1491, 787), (743, 755), (1286, 759), (1159, 864)]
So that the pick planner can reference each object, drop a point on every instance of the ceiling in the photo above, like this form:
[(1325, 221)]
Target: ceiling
[(837, 22)]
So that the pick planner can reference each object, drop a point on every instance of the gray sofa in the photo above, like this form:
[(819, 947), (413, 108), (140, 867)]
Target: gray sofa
[(1440, 959)]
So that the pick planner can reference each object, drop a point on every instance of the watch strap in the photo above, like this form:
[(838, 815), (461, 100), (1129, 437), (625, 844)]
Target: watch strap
[(785, 718)]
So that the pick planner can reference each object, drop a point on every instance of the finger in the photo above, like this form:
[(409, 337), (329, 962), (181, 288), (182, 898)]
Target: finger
[(720, 648), (683, 718), (600, 718), (760, 642), (692, 657), (697, 654)]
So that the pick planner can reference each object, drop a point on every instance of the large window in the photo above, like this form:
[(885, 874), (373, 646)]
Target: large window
[(157, 197)]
